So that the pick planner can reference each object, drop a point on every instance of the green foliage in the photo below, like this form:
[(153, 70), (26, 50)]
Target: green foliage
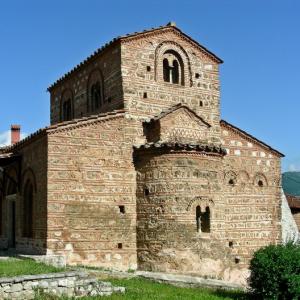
[(275, 272), (15, 267)]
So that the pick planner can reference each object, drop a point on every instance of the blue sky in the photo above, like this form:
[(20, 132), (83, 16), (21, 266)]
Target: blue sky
[(259, 41)]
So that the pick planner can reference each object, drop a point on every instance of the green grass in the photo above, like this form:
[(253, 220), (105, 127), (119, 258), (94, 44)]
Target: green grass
[(143, 289), (15, 267)]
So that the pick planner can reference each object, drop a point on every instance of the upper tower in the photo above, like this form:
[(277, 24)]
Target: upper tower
[(143, 73)]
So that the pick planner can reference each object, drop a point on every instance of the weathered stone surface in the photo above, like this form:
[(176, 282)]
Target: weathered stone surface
[(71, 284)]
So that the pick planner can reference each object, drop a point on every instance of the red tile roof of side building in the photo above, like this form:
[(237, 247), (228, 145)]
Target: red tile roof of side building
[(293, 201)]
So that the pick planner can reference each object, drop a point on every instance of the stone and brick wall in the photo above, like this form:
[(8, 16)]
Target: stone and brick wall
[(91, 193), (108, 65), (142, 73), (170, 186), (252, 193), (33, 167)]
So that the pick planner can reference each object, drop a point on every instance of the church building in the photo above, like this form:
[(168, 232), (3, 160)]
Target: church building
[(138, 171)]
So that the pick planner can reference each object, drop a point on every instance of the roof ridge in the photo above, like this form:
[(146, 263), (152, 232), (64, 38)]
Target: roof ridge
[(63, 125), (170, 25)]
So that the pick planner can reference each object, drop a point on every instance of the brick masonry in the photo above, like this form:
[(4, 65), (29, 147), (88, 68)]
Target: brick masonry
[(121, 188)]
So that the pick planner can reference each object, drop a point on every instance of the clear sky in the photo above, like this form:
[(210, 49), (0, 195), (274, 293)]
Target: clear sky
[(259, 41)]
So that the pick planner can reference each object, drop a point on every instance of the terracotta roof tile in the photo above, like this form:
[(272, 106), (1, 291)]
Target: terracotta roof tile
[(208, 148), (64, 125), (293, 201)]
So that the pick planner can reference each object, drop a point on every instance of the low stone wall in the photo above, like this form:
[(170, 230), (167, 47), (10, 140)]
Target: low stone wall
[(71, 284)]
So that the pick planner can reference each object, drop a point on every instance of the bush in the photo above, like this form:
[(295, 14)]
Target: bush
[(275, 272)]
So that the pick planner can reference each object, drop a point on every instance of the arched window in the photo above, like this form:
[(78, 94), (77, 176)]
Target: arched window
[(95, 95), (173, 68), (203, 219), (67, 110), (95, 91), (28, 210)]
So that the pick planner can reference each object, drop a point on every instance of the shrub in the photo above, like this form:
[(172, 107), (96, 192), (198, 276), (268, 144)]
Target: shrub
[(275, 272)]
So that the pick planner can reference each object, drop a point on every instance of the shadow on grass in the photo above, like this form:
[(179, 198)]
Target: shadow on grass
[(233, 294)]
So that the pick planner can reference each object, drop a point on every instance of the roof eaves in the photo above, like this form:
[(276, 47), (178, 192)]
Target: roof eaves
[(124, 38), (251, 137)]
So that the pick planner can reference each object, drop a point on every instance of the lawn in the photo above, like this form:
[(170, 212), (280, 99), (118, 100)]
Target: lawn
[(136, 288), (143, 289), (15, 267)]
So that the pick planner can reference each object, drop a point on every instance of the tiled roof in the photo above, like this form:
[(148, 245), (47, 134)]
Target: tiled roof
[(172, 109), (208, 148), (251, 137), (65, 125), (169, 26), (293, 201)]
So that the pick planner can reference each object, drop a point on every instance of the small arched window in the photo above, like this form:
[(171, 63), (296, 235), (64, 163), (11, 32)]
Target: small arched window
[(203, 219), (28, 210), (173, 68), (67, 110), (95, 94), (260, 183)]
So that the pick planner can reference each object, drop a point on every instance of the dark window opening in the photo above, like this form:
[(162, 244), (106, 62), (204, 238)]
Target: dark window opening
[(198, 218), (260, 183), (230, 244), (231, 182), (201, 103), (96, 96), (175, 72), (12, 188), (166, 70), (237, 260), (146, 192), (28, 210), (148, 68), (197, 75), (120, 245), (122, 209), (171, 73), (67, 110), (203, 219), (145, 96)]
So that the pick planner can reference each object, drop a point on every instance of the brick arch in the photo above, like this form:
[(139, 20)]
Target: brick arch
[(28, 174), (260, 177), (203, 202), (28, 202), (230, 175), (66, 94), (94, 76), (172, 46), (243, 176), (8, 184)]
